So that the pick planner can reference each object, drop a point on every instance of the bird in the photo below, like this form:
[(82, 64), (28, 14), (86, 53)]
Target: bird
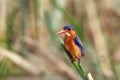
[(72, 43)]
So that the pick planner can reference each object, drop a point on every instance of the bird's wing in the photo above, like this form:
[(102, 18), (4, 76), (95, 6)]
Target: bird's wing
[(78, 42)]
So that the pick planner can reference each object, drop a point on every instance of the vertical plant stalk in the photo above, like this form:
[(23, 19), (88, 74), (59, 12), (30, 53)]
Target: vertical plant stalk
[(32, 20), (78, 67), (25, 4), (36, 4), (10, 18), (3, 15), (4, 69)]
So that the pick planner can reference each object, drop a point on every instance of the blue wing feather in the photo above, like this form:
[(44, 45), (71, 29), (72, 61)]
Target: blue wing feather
[(78, 42)]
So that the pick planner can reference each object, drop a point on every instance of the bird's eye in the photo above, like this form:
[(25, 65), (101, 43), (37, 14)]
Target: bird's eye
[(68, 29)]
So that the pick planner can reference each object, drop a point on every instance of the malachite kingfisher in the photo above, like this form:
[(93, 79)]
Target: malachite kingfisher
[(72, 43)]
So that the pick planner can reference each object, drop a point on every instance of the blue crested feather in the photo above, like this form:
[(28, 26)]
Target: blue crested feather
[(78, 42)]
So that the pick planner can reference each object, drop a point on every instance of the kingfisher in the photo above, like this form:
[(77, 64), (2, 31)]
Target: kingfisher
[(73, 43)]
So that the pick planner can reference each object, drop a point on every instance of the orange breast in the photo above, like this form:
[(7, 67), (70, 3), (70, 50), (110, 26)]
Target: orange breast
[(72, 48)]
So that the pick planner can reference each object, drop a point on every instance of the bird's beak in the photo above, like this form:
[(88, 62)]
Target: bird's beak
[(62, 31)]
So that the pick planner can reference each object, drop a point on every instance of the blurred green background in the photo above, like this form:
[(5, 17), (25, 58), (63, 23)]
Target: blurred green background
[(29, 46)]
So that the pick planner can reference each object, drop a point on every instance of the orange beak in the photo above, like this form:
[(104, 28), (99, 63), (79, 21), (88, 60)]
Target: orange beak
[(62, 31)]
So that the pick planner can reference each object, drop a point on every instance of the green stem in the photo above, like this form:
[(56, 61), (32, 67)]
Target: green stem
[(78, 67)]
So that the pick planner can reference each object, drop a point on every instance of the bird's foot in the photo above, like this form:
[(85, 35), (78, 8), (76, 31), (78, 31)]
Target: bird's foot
[(73, 59)]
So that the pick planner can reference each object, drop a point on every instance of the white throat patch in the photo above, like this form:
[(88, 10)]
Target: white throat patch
[(67, 34)]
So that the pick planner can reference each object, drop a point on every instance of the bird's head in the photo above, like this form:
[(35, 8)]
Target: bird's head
[(68, 30)]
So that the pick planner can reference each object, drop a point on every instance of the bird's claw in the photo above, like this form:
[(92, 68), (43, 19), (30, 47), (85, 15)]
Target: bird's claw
[(73, 59)]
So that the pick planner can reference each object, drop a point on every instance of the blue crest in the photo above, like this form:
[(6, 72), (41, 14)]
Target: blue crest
[(69, 27)]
